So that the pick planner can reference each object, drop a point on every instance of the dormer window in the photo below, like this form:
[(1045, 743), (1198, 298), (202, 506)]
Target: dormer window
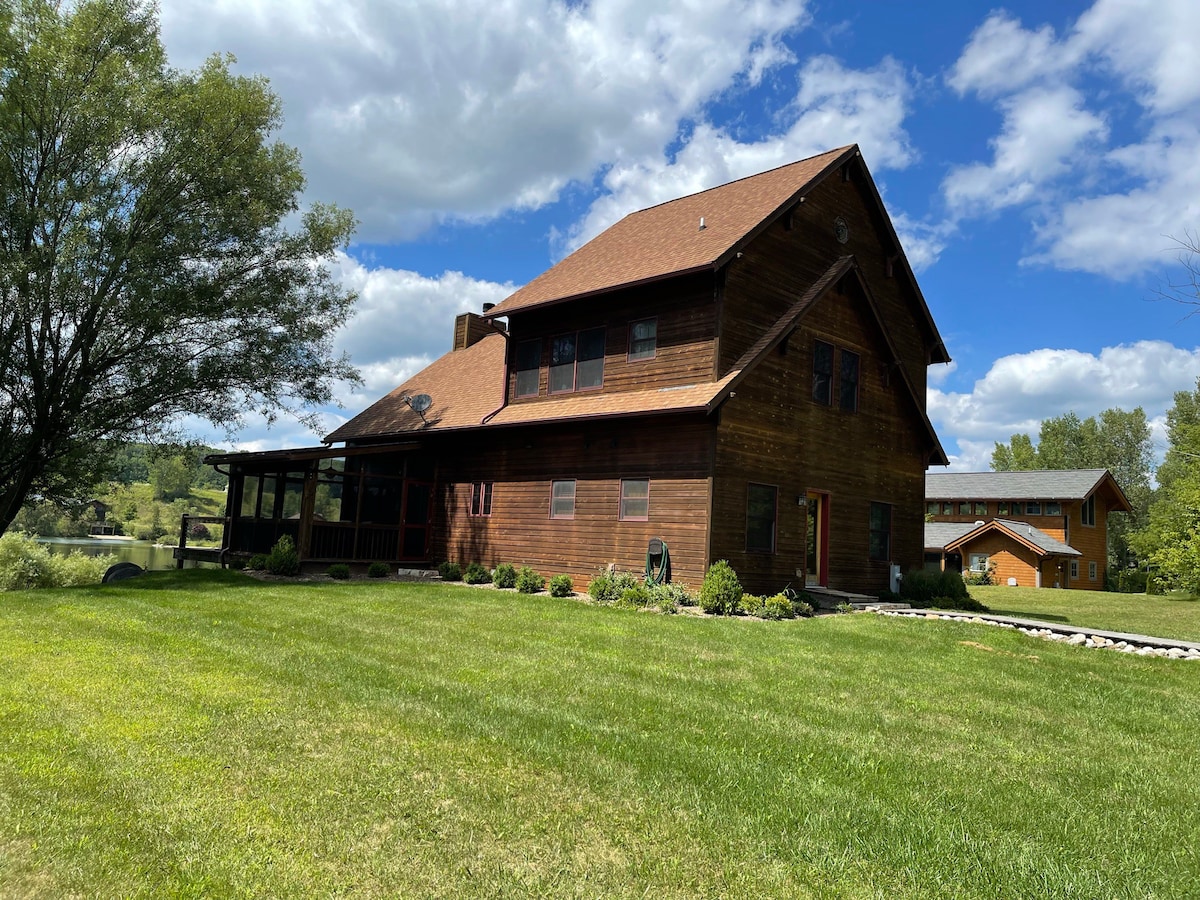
[(643, 339), (577, 361), (529, 361)]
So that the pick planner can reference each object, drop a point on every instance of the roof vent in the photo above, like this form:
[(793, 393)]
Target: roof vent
[(702, 225), (979, 523), (488, 307)]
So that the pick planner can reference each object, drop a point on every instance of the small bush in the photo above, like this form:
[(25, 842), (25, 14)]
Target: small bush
[(477, 574), (199, 531), (450, 571), (561, 586), (778, 607), (845, 607), (987, 576), (339, 571), (721, 591), (608, 588), (257, 562), (77, 568), (803, 606), (24, 564), (379, 570), (671, 593), (667, 605), (634, 597), (505, 576), (237, 563), (284, 559), (751, 605), (529, 581), (921, 586)]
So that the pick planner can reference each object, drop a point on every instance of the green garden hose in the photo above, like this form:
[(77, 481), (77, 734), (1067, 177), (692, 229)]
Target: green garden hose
[(664, 568)]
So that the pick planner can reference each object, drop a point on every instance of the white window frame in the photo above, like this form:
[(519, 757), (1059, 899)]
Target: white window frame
[(559, 496), (981, 567)]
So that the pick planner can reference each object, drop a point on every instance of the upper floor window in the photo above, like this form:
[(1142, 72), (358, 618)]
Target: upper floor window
[(932, 507), (1002, 508), (823, 373), (947, 508), (635, 499), (880, 547), (980, 507), (760, 517), (1053, 509), (964, 507), (1017, 507), (562, 499), (1033, 508), (1087, 512), (529, 361), (577, 361), (848, 386), (643, 339)]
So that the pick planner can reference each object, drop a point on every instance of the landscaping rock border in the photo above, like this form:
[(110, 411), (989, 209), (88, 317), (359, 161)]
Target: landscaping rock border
[(1138, 645)]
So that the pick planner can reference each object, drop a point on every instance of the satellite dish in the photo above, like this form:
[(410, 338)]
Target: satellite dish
[(421, 402)]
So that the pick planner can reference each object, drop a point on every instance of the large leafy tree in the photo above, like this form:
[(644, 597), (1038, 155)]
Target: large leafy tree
[(154, 260), (1117, 440), (1171, 539)]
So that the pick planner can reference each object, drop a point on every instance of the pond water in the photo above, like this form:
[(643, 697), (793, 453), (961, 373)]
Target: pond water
[(144, 553)]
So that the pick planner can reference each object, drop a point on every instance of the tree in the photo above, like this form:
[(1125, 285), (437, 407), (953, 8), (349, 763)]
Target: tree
[(1171, 539), (1117, 440), (154, 261), (172, 475), (1186, 288)]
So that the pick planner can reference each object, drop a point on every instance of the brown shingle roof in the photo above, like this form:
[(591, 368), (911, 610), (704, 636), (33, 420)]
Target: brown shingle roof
[(666, 240)]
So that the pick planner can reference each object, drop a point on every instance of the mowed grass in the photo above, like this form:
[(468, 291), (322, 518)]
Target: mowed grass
[(203, 734), (1172, 615)]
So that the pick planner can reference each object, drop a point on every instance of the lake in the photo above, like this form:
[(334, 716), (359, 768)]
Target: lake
[(144, 553)]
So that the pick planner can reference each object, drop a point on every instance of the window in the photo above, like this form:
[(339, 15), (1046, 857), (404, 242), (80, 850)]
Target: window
[(760, 518), (1092, 571), (577, 361), (1087, 512), (964, 508), (1053, 509), (481, 498), (1002, 508), (880, 547), (635, 499), (562, 499), (947, 509), (1017, 508), (643, 339), (848, 386), (980, 508), (931, 509), (823, 373), (529, 361), (1033, 508), (1074, 568), (979, 562)]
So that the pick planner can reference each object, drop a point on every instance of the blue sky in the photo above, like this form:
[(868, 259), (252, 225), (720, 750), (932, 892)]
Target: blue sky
[(1039, 161)]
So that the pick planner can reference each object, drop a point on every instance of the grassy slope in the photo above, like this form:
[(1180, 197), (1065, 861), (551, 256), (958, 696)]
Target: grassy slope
[(200, 733), (1169, 616)]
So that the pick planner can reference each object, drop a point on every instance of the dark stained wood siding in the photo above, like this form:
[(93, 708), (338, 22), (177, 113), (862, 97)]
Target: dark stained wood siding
[(672, 453), (686, 315), (780, 264), (772, 432)]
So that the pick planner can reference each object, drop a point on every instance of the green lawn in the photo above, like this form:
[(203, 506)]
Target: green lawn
[(203, 734), (1169, 616)]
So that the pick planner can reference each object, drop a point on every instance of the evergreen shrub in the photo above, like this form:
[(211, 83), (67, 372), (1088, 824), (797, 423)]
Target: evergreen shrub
[(339, 571), (379, 570), (477, 574), (505, 576), (284, 558), (529, 581), (450, 571), (561, 586), (721, 591)]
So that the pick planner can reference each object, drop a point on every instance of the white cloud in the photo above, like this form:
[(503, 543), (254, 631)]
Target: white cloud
[(1045, 130), (1094, 208), (1021, 390), (833, 106), (416, 113)]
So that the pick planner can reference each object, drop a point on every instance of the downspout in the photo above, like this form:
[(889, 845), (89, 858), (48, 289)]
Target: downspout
[(504, 400)]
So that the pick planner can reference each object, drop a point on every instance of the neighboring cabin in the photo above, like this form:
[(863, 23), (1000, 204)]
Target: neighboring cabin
[(740, 372), (1039, 529)]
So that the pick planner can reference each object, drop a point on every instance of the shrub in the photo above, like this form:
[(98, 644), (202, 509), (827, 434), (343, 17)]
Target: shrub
[(635, 597), (671, 593), (284, 558), (987, 576), (721, 591), (845, 607), (258, 561), (379, 570), (751, 605), (608, 588), (777, 607), (199, 531), (529, 581), (968, 603), (340, 571), (561, 586), (237, 563), (920, 586), (477, 574), (78, 568), (450, 571), (24, 563), (667, 605), (803, 605), (505, 576)]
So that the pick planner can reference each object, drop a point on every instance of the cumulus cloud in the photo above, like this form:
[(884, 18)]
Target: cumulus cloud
[(1095, 207), (1021, 390), (833, 106), (410, 117)]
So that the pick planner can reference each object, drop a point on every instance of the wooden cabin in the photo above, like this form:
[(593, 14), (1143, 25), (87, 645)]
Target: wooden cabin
[(1037, 529), (740, 373)]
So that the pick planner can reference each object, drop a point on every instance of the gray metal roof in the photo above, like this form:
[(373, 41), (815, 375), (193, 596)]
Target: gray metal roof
[(1040, 538), (1058, 484), (939, 534)]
